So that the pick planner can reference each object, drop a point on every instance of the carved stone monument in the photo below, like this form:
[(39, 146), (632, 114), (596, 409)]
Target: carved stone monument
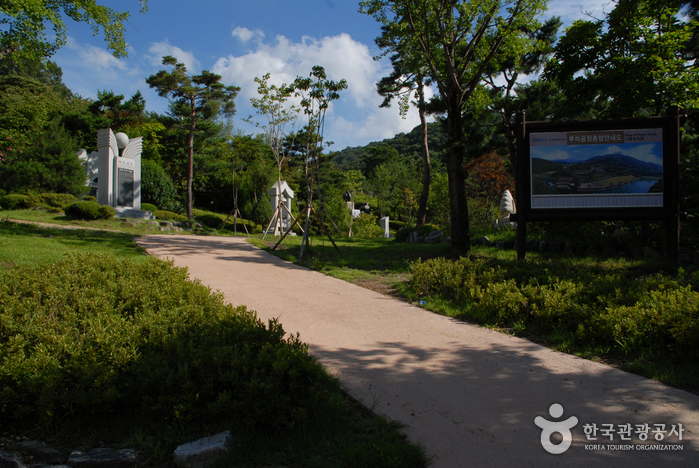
[(286, 194), (114, 172)]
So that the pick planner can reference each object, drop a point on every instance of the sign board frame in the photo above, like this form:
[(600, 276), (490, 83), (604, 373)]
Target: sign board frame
[(621, 169)]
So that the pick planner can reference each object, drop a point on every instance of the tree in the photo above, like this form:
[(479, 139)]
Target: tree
[(512, 64), (198, 97), (407, 78), (457, 41), (316, 92), (46, 162), (273, 106), (23, 24), (636, 62)]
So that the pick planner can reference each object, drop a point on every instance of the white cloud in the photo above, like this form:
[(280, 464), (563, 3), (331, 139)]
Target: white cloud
[(158, 50), (356, 117), (244, 34)]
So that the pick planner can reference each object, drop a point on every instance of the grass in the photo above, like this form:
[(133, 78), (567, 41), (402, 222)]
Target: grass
[(339, 432), (26, 244)]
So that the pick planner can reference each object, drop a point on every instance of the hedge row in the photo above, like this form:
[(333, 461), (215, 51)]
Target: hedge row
[(631, 312), (94, 335)]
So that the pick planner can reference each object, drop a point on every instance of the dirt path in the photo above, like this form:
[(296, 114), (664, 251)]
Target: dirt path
[(468, 394)]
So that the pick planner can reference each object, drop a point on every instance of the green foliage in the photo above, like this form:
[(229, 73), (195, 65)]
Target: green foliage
[(635, 62), (47, 163), (261, 212), (366, 225), (156, 186), (148, 207), (24, 31), (92, 335), (26, 105), (14, 201), (622, 310), (57, 200), (169, 216), (89, 210)]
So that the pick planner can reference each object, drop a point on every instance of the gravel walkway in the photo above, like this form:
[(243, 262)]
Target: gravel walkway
[(468, 394)]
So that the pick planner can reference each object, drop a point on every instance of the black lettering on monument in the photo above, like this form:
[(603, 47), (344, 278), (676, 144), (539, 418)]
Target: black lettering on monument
[(125, 180)]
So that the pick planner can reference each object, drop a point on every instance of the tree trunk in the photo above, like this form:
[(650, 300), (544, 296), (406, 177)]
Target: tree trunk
[(190, 160), (458, 202), (424, 196)]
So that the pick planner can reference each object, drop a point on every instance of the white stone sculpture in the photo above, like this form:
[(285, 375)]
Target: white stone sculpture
[(287, 194), (384, 222), (507, 207), (114, 171)]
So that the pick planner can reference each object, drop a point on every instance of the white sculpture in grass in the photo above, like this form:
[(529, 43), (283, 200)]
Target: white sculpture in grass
[(507, 207)]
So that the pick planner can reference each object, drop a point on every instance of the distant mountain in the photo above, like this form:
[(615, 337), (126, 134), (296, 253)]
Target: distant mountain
[(627, 162), (541, 166), (408, 146)]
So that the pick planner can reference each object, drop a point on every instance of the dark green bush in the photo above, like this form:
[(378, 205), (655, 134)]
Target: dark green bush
[(14, 201), (57, 200), (366, 226), (209, 220), (93, 335), (632, 314), (169, 216), (89, 210), (149, 207), (157, 187), (88, 198), (261, 212)]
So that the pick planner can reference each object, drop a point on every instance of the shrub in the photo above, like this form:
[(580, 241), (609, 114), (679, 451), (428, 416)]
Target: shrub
[(366, 226), (262, 212), (169, 216), (14, 201), (57, 200), (156, 186), (615, 309), (149, 207), (92, 335), (210, 220), (89, 210), (173, 206), (89, 198)]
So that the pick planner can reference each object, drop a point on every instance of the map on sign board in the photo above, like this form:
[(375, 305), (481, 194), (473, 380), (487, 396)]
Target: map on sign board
[(597, 169)]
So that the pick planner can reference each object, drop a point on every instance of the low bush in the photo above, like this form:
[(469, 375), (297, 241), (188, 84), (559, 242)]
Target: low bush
[(622, 310), (169, 216), (92, 335), (57, 200), (210, 220), (149, 207), (89, 210), (14, 201), (366, 226)]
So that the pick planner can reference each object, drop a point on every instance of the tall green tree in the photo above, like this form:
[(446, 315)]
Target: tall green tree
[(273, 105), (635, 62), (316, 92), (23, 25), (457, 41), (197, 97), (408, 79)]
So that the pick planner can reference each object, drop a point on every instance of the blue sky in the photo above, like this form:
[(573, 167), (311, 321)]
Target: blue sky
[(241, 40)]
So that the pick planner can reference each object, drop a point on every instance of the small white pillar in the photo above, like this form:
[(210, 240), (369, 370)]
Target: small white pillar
[(383, 222)]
